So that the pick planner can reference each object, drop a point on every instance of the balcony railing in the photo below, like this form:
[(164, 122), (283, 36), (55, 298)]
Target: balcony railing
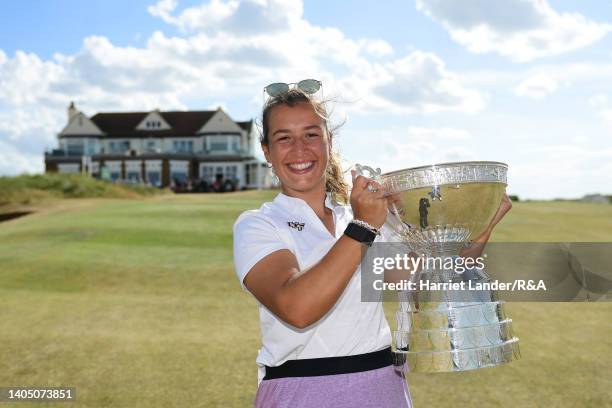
[(65, 153)]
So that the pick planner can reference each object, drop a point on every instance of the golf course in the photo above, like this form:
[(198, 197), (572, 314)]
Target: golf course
[(134, 302)]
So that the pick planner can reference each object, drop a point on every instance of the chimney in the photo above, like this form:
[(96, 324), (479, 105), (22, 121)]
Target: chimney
[(72, 111)]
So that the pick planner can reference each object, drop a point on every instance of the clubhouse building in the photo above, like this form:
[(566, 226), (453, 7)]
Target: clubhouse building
[(177, 149)]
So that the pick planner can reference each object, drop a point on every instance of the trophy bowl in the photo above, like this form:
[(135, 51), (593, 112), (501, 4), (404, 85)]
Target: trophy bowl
[(436, 210), (446, 204)]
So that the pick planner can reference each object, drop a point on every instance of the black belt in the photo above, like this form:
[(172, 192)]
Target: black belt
[(331, 365)]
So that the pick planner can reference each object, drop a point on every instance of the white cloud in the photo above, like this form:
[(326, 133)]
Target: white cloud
[(597, 101), (163, 9), (419, 146), (602, 110), (229, 49), (14, 161), (393, 147), (536, 87), (436, 133), (417, 83), (244, 17), (605, 115), (521, 30), (376, 48)]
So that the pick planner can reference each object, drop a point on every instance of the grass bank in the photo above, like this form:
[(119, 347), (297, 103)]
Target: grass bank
[(30, 191)]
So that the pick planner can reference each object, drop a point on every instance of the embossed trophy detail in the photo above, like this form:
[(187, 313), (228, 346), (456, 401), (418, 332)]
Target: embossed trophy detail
[(437, 210)]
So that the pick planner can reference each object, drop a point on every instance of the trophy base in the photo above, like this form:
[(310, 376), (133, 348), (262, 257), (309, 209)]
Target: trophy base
[(456, 360)]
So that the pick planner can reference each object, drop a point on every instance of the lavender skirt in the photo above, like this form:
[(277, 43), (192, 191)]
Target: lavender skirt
[(380, 388)]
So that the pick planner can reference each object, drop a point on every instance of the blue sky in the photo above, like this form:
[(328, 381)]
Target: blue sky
[(527, 82)]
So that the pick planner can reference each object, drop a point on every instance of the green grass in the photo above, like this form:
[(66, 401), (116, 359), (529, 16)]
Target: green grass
[(26, 190), (136, 304)]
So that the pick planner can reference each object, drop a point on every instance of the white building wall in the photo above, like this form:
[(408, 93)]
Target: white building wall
[(198, 145), (136, 144)]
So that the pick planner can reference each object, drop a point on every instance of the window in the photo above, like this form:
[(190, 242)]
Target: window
[(91, 146), (183, 146), (211, 172), (229, 143), (119, 146), (252, 173), (218, 144), (133, 176), (236, 144), (208, 173), (179, 171), (75, 149), (179, 177), (153, 124), (151, 146), (153, 177), (231, 172)]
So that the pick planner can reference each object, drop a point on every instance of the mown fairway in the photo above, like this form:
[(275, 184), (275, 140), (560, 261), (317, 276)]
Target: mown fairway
[(135, 303)]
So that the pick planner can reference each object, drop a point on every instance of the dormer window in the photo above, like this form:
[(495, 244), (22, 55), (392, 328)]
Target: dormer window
[(153, 124)]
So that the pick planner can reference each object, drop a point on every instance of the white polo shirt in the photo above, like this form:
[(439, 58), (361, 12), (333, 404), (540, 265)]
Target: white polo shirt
[(351, 327)]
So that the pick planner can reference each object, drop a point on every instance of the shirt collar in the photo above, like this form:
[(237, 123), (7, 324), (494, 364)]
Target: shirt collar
[(292, 203)]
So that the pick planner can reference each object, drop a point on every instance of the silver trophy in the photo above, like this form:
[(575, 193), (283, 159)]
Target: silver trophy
[(437, 210)]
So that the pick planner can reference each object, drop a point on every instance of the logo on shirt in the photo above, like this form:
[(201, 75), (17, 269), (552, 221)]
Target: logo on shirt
[(297, 225)]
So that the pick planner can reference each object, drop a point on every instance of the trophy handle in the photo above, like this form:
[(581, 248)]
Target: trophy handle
[(394, 217), (369, 172)]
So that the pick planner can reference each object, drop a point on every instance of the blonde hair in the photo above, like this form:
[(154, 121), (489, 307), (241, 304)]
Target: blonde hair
[(334, 179)]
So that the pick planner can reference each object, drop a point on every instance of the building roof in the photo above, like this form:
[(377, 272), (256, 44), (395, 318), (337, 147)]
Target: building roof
[(182, 123)]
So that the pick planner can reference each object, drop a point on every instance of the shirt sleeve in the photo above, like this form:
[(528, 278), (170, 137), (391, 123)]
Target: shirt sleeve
[(255, 237)]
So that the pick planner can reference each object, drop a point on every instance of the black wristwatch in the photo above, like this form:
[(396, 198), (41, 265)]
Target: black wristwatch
[(360, 234)]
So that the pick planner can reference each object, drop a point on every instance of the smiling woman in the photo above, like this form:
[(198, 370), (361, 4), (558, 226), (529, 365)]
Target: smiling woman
[(299, 256), (302, 139)]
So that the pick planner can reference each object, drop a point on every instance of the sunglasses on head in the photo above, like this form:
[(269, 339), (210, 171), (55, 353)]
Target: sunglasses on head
[(308, 86)]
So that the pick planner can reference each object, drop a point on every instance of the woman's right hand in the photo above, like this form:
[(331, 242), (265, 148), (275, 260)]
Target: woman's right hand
[(368, 206)]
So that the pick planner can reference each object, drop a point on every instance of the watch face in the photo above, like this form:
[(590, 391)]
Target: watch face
[(360, 234)]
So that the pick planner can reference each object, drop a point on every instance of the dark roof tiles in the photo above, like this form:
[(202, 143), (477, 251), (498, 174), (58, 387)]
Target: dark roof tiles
[(182, 123)]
